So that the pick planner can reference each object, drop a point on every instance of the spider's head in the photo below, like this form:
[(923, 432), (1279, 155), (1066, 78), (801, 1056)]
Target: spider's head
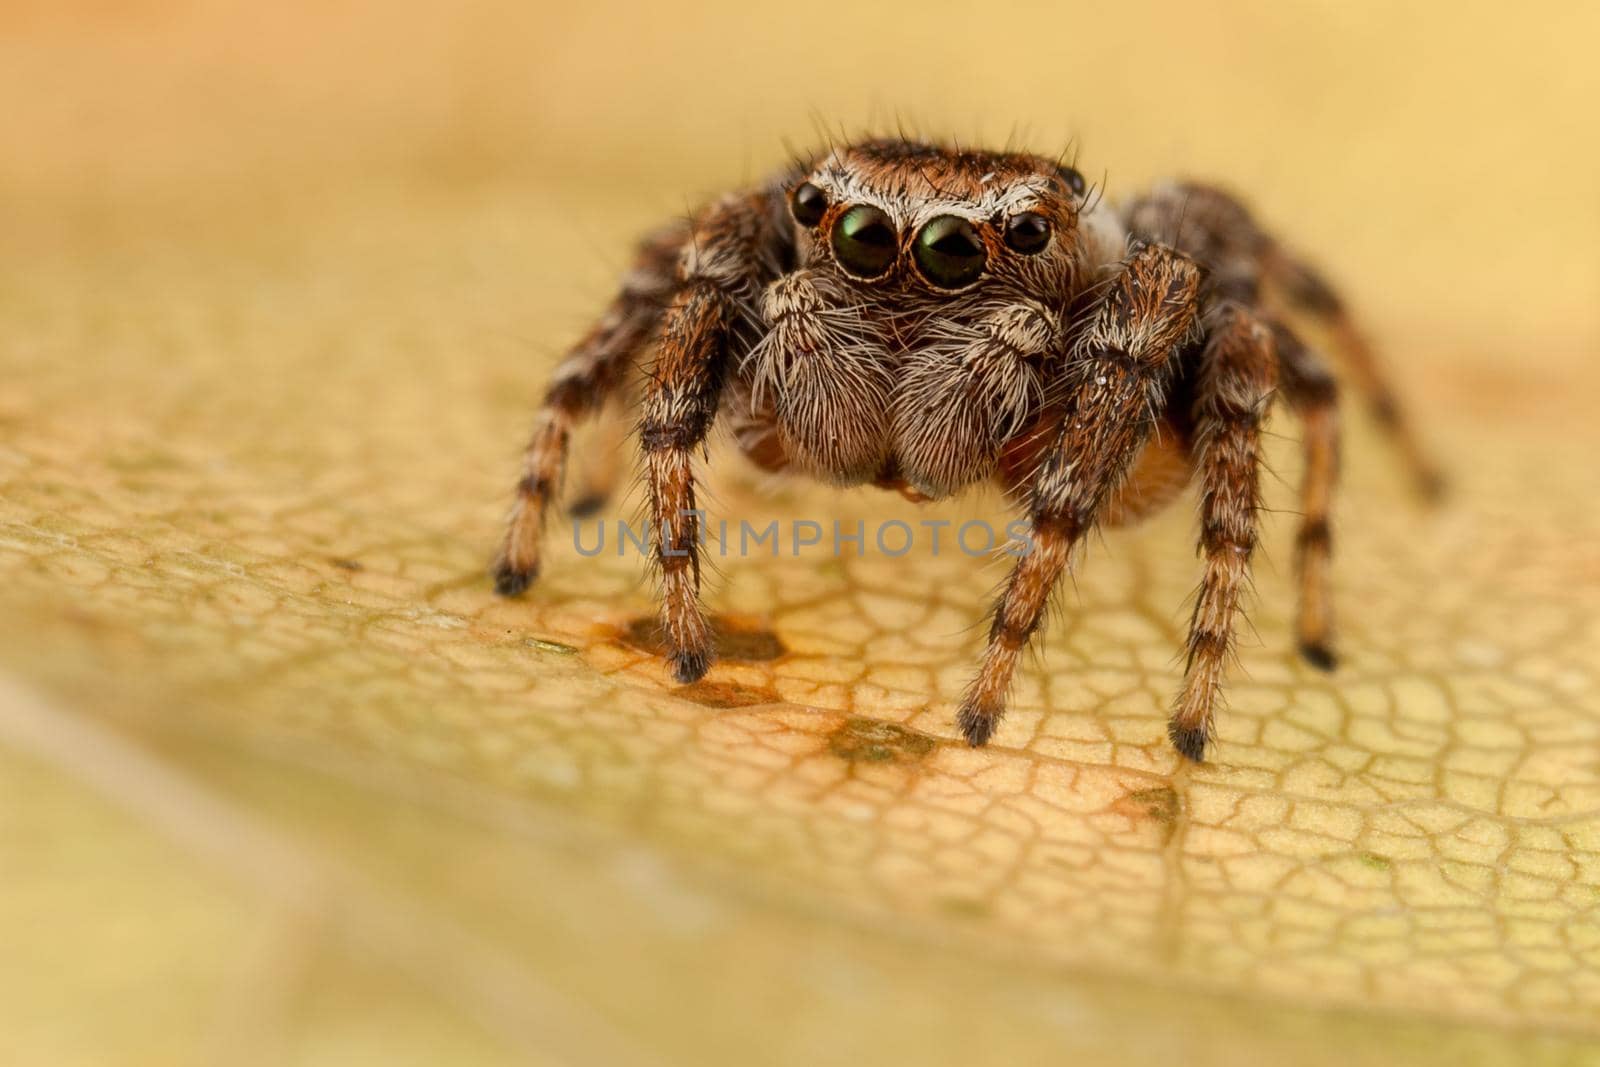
[(931, 221)]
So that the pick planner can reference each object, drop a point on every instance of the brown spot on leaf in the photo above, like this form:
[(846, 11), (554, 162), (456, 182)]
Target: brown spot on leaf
[(736, 639), (863, 740), (1158, 804), (727, 694), (347, 564)]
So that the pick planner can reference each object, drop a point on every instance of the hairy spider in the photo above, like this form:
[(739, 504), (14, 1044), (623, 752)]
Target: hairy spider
[(920, 317)]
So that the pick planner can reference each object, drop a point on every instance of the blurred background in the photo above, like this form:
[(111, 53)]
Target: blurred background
[(1432, 152), (278, 285)]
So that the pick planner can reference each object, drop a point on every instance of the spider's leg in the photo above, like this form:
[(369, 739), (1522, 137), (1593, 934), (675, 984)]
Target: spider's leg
[(1314, 394), (716, 285), (585, 379), (1233, 390), (1121, 366), (1309, 292), (598, 460)]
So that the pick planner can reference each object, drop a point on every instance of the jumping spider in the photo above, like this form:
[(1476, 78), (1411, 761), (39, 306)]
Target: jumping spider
[(920, 317)]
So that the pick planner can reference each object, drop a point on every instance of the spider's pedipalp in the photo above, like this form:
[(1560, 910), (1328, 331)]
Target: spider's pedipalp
[(971, 389), (824, 371)]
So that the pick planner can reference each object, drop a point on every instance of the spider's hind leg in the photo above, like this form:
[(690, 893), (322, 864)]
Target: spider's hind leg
[(1219, 231), (1308, 292), (1311, 390), (600, 457), (590, 374)]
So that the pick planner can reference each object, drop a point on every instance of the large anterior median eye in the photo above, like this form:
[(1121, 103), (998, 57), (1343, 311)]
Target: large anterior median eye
[(950, 252), (864, 241)]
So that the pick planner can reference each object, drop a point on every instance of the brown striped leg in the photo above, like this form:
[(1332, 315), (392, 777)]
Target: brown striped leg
[(1311, 293), (1311, 390), (718, 279), (1233, 390), (1121, 366), (596, 365), (517, 564)]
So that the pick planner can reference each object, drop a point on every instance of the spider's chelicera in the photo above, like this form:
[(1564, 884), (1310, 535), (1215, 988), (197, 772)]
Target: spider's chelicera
[(919, 318)]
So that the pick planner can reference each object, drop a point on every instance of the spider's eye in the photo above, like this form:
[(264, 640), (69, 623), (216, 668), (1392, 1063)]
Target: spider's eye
[(1028, 232), (808, 204), (864, 241), (950, 252), (1073, 179)]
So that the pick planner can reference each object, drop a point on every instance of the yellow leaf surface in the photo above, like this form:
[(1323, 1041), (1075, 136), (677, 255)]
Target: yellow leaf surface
[(281, 782)]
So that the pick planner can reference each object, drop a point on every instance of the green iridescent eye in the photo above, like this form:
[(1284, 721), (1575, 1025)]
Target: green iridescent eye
[(950, 252), (864, 241)]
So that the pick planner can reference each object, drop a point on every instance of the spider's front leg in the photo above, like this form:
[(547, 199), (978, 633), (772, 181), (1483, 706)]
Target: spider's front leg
[(717, 279), (1120, 368)]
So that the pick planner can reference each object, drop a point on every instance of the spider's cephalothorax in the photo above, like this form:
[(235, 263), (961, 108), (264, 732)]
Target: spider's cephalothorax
[(919, 318), (925, 315)]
